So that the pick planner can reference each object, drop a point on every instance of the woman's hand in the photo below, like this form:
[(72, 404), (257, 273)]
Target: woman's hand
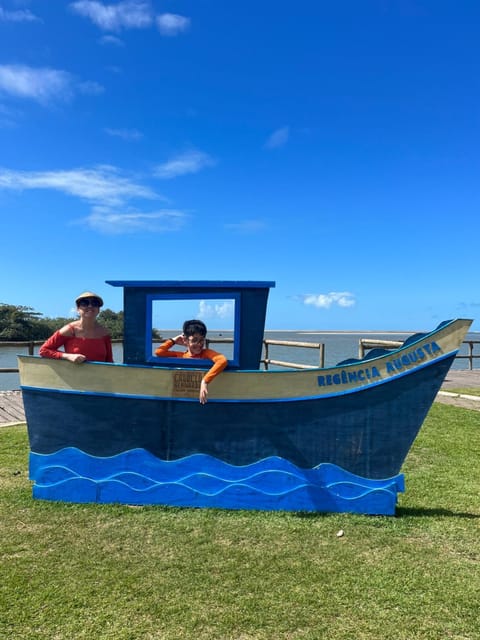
[(76, 358)]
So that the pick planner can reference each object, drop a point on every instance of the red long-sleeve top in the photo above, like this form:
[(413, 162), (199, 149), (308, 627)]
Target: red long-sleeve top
[(218, 359), (94, 349)]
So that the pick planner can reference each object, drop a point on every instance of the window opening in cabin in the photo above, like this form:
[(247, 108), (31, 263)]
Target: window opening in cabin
[(167, 316)]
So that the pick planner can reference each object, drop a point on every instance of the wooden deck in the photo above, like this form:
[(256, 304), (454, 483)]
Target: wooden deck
[(461, 379), (11, 404), (11, 408)]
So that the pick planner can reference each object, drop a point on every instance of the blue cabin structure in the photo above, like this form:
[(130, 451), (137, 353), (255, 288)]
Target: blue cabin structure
[(250, 309)]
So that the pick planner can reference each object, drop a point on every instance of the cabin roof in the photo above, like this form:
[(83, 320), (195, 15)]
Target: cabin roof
[(197, 285)]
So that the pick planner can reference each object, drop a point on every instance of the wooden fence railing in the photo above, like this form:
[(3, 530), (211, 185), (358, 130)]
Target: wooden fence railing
[(292, 343), (364, 345)]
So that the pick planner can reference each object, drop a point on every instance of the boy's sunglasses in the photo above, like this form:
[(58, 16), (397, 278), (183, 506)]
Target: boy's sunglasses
[(89, 302)]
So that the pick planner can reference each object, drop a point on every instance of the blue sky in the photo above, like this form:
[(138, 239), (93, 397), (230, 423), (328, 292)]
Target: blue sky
[(331, 147)]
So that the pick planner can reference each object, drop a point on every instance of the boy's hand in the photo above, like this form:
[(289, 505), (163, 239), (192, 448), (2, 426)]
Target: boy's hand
[(203, 392)]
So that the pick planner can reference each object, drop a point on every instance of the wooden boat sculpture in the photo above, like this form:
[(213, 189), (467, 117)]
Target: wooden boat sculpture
[(323, 439)]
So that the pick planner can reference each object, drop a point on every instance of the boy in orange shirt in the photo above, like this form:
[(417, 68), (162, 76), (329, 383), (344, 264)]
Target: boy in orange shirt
[(193, 337)]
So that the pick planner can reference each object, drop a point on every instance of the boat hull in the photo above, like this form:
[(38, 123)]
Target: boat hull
[(368, 433), (360, 417)]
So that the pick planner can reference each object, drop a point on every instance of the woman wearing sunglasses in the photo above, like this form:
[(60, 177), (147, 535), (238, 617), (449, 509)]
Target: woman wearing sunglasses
[(83, 339)]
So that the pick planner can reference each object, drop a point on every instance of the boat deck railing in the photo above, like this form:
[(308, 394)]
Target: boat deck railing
[(364, 345)]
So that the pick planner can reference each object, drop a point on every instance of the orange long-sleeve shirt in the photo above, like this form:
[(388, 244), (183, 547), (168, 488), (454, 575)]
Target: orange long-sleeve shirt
[(218, 359)]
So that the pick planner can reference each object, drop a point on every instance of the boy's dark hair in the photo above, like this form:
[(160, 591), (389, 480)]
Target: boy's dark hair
[(190, 327)]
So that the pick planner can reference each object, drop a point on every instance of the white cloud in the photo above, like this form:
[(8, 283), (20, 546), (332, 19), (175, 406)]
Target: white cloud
[(171, 24), (326, 300), (125, 134), (184, 163), (129, 14), (22, 15), (112, 40), (111, 222), (109, 194), (246, 226), (102, 185), (212, 309), (278, 138), (42, 84)]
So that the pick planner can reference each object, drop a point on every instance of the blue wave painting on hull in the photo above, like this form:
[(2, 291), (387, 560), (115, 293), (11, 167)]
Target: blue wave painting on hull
[(199, 480)]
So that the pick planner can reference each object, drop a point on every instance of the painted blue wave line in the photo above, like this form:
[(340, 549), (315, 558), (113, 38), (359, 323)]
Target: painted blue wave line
[(85, 465), (199, 480), (51, 476), (375, 501), (169, 486)]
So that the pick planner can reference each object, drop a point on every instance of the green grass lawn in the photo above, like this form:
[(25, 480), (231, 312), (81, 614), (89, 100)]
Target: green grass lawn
[(98, 572), (468, 391)]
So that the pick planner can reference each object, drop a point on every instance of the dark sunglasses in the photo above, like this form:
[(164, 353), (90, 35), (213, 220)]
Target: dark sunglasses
[(89, 302)]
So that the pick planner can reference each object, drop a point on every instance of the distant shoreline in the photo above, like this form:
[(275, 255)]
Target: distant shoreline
[(312, 332), (359, 333), (352, 332), (317, 332)]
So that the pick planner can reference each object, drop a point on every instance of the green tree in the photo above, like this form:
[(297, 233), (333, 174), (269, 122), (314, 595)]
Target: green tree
[(18, 323), (113, 321), (47, 326)]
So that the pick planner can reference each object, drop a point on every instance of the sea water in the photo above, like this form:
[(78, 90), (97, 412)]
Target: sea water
[(338, 346)]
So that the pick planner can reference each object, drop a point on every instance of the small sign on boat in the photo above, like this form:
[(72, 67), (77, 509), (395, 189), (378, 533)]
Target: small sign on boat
[(186, 383)]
